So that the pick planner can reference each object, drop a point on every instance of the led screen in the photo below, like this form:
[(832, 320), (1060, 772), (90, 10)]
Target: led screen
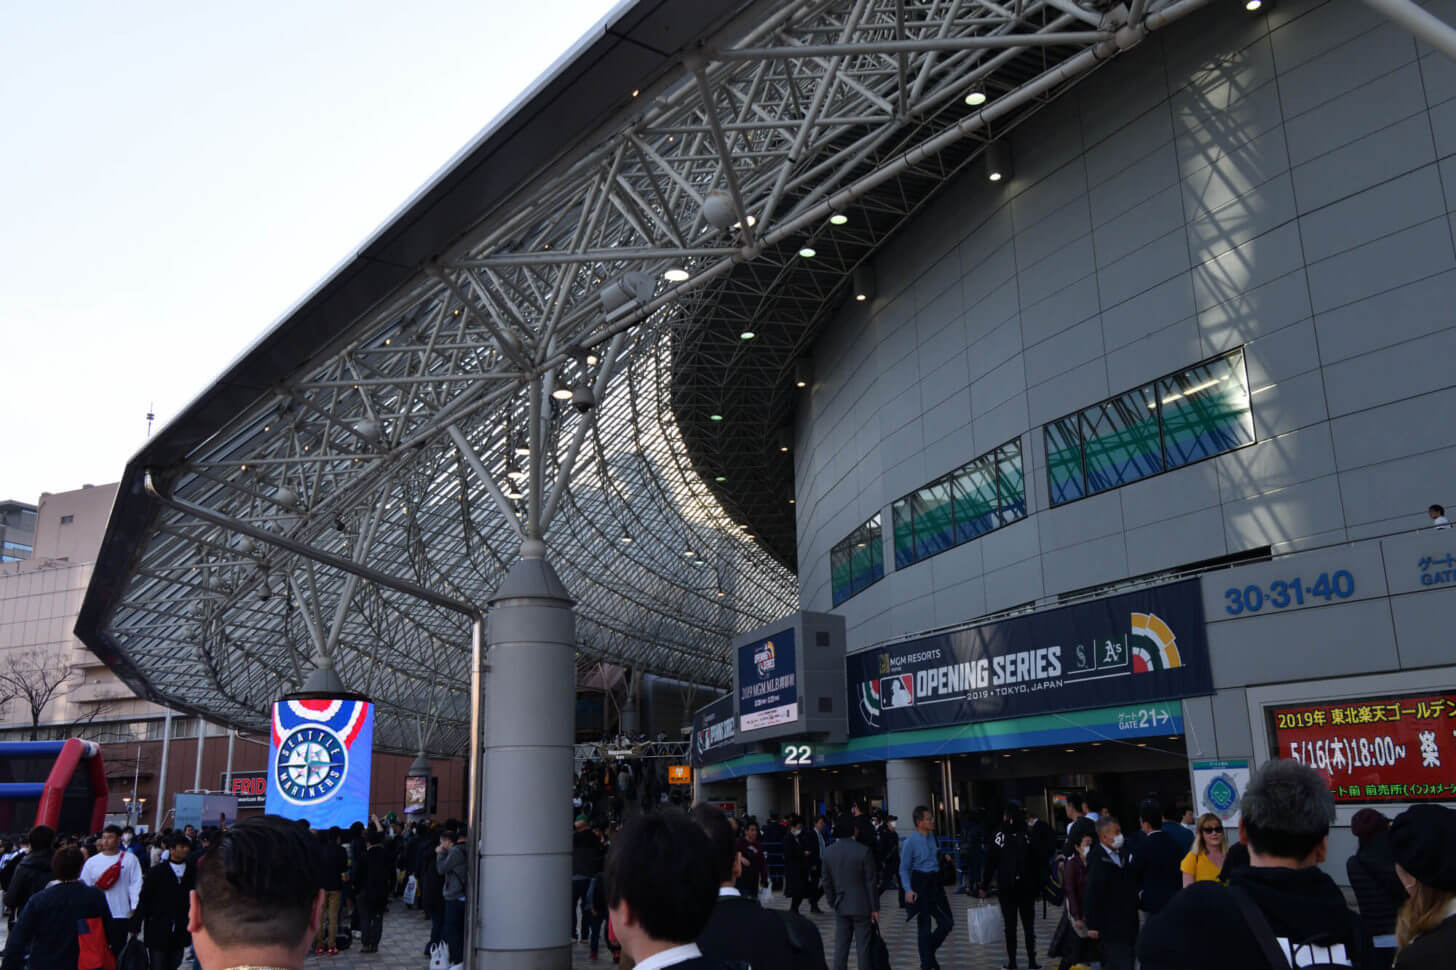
[(319, 759)]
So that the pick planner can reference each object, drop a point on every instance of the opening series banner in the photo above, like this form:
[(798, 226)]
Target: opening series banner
[(1142, 646), (715, 733), (319, 760)]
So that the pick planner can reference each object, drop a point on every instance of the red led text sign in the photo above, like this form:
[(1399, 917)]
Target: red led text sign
[(1375, 749)]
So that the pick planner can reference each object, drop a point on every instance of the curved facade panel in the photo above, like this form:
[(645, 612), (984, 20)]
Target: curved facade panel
[(1241, 226)]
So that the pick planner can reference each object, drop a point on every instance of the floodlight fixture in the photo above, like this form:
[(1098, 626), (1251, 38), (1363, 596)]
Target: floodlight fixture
[(803, 372), (863, 280), (998, 161)]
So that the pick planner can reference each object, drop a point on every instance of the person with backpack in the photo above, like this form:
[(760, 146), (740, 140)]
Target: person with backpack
[(63, 926), (118, 874), (32, 872), (1281, 903), (1011, 860)]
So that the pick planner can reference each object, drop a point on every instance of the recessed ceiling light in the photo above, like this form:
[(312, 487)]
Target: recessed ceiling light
[(791, 501), (808, 252), (721, 478), (994, 176), (860, 298), (747, 335), (675, 274), (715, 417), (975, 97), (635, 92), (838, 219), (1253, 5)]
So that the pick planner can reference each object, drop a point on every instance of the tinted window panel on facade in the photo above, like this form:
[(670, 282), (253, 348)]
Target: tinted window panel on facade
[(933, 531), (1120, 440), (1012, 482), (1064, 459), (1205, 410), (976, 507)]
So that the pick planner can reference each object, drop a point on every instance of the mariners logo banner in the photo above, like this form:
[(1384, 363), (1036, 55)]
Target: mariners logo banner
[(1142, 646), (319, 760)]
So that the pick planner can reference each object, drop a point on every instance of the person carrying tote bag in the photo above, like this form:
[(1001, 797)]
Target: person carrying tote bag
[(1070, 941)]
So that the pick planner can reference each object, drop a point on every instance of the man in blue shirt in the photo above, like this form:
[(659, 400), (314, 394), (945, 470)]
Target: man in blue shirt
[(924, 894)]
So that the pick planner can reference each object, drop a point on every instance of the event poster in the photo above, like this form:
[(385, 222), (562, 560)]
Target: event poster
[(1392, 748), (768, 689), (715, 733), (319, 760), (416, 794), (1142, 646)]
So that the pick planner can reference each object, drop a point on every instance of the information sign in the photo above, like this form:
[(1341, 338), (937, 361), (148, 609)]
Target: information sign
[(715, 733), (768, 689), (1217, 788), (1398, 748), (679, 774)]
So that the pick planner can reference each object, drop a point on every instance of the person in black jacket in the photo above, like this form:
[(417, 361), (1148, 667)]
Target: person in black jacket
[(376, 879), (1155, 859), (660, 891), (1011, 861), (33, 872), (1423, 842), (887, 849), (1110, 907), (432, 885), (738, 929), (1285, 817), (335, 862), (1378, 891), (45, 935), (586, 862), (161, 913)]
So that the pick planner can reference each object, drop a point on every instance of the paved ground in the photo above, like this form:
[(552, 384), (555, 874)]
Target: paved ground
[(406, 933)]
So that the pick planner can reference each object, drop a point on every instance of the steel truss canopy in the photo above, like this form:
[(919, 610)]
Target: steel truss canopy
[(547, 345)]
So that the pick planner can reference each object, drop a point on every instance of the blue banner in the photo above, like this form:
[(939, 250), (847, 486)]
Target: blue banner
[(319, 760), (1141, 646), (768, 688)]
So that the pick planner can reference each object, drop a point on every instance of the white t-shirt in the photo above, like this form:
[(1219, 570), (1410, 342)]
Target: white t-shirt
[(125, 893), (1441, 522)]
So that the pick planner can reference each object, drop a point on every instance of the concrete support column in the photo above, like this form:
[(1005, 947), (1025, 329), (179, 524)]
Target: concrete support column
[(197, 769), (631, 721), (525, 866), (908, 783), (762, 796)]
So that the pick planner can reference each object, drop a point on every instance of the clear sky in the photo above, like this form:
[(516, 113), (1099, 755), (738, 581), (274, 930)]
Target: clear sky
[(176, 175)]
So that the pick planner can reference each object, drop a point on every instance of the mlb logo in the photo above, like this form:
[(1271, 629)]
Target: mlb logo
[(763, 659), (898, 691)]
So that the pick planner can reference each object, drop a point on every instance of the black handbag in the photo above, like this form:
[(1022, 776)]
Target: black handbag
[(947, 871), (879, 952)]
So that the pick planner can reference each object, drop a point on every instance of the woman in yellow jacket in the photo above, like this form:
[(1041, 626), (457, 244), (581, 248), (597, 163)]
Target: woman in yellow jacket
[(1205, 862)]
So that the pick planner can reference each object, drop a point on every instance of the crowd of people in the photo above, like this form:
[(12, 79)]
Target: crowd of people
[(682, 888), (140, 887), (1164, 895)]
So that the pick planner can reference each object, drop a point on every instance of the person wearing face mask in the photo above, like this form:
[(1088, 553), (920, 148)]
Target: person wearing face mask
[(1070, 940), (1206, 860), (1423, 841), (1110, 907)]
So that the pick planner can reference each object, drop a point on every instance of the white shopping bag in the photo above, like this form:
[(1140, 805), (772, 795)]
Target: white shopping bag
[(439, 956), (765, 896), (984, 924), (411, 891)]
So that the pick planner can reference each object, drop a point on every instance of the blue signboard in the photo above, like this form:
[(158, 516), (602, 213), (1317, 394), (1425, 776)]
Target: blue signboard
[(1142, 646), (768, 688), (715, 733), (319, 760)]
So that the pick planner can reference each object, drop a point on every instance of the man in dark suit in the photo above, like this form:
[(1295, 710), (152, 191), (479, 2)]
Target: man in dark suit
[(849, 883), (738, 930), (659, 891), (1111, 904), (1155, 859)]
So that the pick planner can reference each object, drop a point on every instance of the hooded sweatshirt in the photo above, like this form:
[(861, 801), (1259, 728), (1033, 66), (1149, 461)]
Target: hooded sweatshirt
[(1202, 927)]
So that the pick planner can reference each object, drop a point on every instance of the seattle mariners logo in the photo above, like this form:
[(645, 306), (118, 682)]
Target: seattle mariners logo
[(313, 739)]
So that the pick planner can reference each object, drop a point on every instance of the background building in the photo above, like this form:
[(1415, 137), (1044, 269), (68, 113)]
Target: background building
[(17, 531)]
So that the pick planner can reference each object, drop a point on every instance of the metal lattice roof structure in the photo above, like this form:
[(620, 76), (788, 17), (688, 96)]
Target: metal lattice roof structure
[(605, 244)]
